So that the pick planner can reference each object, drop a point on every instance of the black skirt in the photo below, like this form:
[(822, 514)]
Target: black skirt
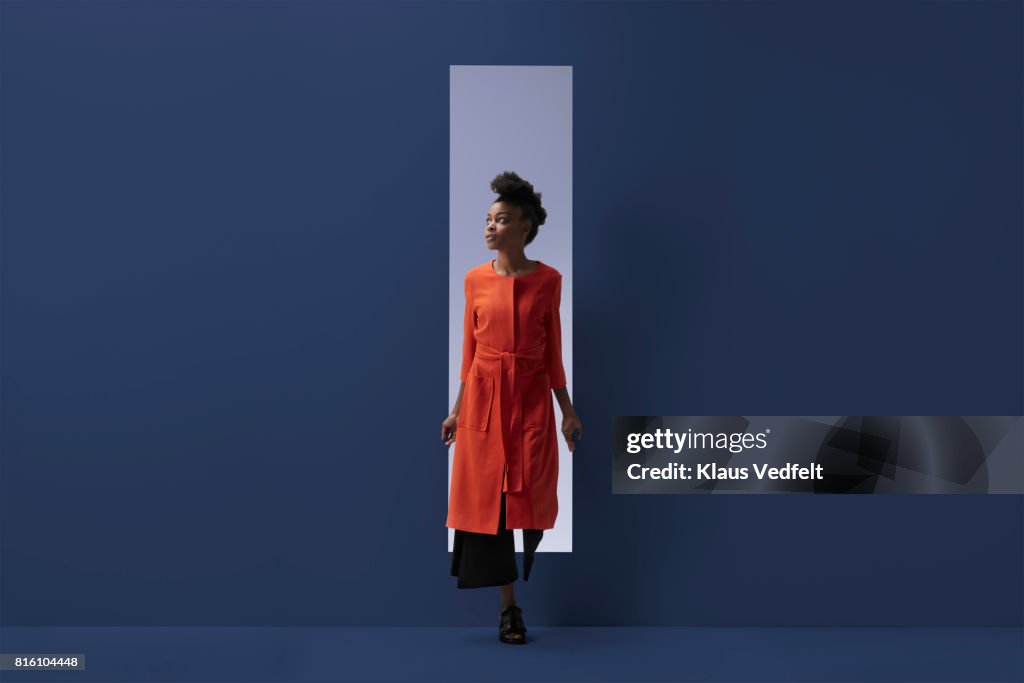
[(481, 560)]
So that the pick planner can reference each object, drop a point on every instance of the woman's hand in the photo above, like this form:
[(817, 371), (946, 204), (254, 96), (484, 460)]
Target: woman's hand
[(448, 428), (570, 424)]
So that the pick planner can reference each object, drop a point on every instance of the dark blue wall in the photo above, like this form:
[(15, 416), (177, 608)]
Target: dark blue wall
[(225, 238)]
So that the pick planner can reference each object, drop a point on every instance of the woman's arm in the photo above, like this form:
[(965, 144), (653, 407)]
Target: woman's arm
[(468, 335), (564, 402), (556, 371), (553, 332), (570, 420), (458, 400), (451, 423)]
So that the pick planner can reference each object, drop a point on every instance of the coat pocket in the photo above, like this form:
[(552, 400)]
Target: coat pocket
[(537, 405), (476, 403)]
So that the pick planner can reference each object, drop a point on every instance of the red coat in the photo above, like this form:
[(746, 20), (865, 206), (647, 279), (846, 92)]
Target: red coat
[(506, 438)]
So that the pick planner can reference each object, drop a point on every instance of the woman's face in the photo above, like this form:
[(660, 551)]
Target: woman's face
[(505, 228)]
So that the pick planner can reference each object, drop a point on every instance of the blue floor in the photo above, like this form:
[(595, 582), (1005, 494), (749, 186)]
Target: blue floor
[(555, 654)]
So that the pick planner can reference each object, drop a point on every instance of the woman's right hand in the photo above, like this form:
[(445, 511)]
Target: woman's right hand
[(448, 428)]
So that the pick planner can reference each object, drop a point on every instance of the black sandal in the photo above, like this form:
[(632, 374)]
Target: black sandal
[(511, 624)]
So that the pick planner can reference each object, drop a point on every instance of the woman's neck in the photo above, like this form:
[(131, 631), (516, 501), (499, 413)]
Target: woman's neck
[(513, 264)]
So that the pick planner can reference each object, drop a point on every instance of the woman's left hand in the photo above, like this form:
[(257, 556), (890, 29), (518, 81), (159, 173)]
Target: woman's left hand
[(570, 424)]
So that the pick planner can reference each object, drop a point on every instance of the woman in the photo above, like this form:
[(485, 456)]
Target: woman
[(505, 467)]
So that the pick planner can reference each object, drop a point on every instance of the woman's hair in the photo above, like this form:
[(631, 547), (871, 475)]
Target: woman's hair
[(514, 190)]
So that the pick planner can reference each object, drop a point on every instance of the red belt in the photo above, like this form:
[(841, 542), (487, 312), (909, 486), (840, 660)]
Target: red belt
[(510, 410)]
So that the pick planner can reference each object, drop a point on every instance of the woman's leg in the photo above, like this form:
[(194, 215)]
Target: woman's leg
[(481, 560), (508, 591), (508, 595), (508, 599)]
